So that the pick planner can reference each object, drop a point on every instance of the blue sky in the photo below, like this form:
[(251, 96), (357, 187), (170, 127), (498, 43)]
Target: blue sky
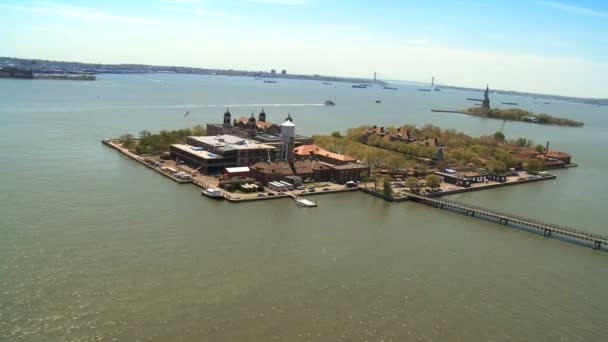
[(557, 47)]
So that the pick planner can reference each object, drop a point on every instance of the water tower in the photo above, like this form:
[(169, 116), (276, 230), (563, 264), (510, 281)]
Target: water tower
[(288, 133)]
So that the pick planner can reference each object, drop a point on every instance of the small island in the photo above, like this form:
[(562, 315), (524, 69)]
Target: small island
[(511, 114), (67, 77)]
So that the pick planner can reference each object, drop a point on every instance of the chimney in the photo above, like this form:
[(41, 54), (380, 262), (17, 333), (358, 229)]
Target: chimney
[(547, 147)]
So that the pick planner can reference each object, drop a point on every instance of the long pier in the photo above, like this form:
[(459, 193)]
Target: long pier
[(596, 241)]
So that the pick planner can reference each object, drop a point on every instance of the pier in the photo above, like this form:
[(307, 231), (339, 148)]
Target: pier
[(596, 241)]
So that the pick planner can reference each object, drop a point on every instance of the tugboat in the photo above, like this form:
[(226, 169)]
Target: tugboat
[(213, 193), (329, 103)]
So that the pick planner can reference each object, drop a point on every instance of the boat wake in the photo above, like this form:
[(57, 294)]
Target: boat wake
[(176, 106)]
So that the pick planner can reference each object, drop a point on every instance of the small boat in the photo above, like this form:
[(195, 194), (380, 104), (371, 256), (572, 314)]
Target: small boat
[(422, 89), (389, 88), (327, 83), (302, 202), (510, 103), (378, 101), (359, 86), (472, 99), (213, 193), (269, 81), (329, 103)]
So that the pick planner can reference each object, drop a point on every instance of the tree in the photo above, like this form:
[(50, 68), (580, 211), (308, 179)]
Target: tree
[(126, 140), (412, 183), (387, 189), (497, 166), (499, 137), (534, 165), (336, 134), (433, 181), (522, 142), (198, 130), (540, 148)]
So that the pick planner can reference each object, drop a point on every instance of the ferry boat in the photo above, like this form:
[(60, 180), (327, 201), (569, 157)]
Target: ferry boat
[(389, 88), (269, 81), (302, 202), (213, 193)]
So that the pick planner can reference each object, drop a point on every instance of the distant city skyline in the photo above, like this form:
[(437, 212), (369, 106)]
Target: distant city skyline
[(551, 47)]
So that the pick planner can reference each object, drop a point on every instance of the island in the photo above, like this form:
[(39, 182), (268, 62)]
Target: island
[(252, 159), (239, 155), (21, 73), (511, 114)]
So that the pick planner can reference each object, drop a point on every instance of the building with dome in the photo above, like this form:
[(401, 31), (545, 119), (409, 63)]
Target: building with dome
[(257, 129)]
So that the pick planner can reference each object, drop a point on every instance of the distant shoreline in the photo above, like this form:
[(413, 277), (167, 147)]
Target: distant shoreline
[(50, 67), (38, 66)]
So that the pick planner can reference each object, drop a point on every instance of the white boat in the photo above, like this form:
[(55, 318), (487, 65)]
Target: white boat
[(213, 193), (302, 202)]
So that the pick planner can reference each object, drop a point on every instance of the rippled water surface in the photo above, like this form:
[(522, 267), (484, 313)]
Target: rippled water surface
[(94, 247)]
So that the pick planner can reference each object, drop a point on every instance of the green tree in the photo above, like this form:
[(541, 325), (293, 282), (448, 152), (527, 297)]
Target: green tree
[(499, 137), (522, 142), (540, 148), (198, 130), (412, 183), (387, 189), (497, 166), (126, 140), (534, 165), (336, 134), (433, 181)]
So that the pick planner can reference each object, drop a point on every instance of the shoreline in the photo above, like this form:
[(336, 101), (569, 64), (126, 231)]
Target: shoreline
[(504, 119)]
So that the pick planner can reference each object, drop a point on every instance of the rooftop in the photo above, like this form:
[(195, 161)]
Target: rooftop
[(228, 142), (307, 150), (196, 151)]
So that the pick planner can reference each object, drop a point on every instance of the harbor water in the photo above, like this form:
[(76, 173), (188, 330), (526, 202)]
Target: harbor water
[(95, 247)]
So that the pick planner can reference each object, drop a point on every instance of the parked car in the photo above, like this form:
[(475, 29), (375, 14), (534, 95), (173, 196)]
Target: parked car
[(325, 189), (271, 194), (261, 195)]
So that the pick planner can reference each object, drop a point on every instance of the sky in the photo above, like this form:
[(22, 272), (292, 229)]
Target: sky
[(546, 46)]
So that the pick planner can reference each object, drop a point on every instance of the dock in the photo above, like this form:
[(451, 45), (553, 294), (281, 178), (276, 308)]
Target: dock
[(596, 241)]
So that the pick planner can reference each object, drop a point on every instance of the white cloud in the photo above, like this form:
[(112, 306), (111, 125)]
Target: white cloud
[(574, 9), (85, 13)]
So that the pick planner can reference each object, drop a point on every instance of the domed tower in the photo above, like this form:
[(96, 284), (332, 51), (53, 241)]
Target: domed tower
[(227, 121), (262, 116), (251, 125), (288, 133)]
